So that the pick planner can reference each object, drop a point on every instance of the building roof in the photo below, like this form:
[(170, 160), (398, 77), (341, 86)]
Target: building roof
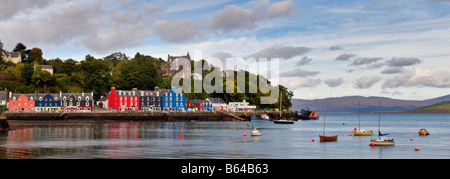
[(46, 67)]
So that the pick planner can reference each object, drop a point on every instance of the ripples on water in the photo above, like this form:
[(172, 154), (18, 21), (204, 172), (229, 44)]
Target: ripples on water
[(130, 139)]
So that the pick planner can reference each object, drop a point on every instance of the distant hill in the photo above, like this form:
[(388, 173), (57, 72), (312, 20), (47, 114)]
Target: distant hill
[(442, 107), (368, 104)]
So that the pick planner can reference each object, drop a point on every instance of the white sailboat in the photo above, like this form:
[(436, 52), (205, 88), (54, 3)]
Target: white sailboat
[(282, 120), (381, 141)]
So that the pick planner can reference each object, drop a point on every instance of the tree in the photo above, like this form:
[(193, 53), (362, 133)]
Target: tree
[(35, 56), (42, 78), (27, 72), (21, 48)]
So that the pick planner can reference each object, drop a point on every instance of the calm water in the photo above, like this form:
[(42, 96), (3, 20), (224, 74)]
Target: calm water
[(111, 139)]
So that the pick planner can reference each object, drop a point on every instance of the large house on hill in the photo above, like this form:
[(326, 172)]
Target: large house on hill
[(173, 66)]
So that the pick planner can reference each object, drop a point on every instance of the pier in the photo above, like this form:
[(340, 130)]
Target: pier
[(154, 116)]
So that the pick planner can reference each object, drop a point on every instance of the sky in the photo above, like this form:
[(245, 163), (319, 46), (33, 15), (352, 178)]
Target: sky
[(397, 49)]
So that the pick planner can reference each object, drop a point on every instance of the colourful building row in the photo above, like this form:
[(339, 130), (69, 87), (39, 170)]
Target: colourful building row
[(61, 102)]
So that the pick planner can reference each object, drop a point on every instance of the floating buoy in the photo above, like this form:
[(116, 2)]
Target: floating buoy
[(245, 135), (411, 139), (417, 149), (349, 134), (372, 144), (180, 135), (354, 129), (343, 123), (313, 140)]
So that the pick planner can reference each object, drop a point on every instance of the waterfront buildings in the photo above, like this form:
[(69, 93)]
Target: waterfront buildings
[(243, 106), (2, 100), (175, 64), (123, 100), (21, 102), (77, 102), (47, 102), (172, 100)]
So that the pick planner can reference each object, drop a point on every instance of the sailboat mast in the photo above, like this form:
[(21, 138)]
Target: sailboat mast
[(379, 114), (281, 100), (359, 115), (324, 117)]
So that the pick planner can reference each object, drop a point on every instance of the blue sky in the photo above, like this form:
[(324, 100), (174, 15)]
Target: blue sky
[(397, 49)]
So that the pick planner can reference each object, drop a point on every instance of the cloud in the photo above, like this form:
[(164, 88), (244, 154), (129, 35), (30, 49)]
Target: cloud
[(364, 61), (334, 82), (302, 82), (418, 78), (402, 61), (392, 70), (299, 73), (305, 60), (282, 52), (281, 8), (367, 81), (233, 17), (345, 57), (10, 8), (99, 28), (334, 48), (176, 30)]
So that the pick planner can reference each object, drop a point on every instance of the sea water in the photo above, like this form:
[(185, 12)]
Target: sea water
[(226, 140)]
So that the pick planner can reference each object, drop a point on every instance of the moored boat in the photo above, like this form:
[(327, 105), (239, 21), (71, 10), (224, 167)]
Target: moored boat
[(256, 132), (263, 117), (283, 121), (324, 138), (423, 132), (362, 132), (382, 141)]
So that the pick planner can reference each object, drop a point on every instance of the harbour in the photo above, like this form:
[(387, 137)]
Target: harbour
[(138, 139)]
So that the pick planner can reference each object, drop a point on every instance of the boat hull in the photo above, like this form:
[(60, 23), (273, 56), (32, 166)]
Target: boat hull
[(283, 122), (259, 119), (382, 143), (256, 133), (328, 138), (362, 133)]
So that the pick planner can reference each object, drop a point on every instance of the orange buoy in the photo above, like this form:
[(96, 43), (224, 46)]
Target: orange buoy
[(417, 149), (180, 135), (354, 129), (313, 140), (411, 139), (372, 144), (245, 135), (349, 134)]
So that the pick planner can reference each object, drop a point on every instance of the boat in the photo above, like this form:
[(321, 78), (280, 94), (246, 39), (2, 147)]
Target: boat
[(282, 120), (324, 138), (381, 141), (423, 131), (307, 114), (264, 117), (361, 132), (256, 132)]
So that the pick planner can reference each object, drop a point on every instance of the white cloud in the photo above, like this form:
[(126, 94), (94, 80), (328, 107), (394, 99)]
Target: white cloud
[(302, 82), (367, 81), (282, 52), (176, 30), (419, 77)]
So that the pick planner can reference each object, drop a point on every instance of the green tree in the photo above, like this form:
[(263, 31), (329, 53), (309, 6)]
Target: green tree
[(42, 78), (35, 56), (27, 72), (21, 48)]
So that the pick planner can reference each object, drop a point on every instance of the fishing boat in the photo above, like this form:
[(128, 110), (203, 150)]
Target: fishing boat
[(381, 141), (361, 132), (264, 117), (423, 132), (324, 138), (282, 120)]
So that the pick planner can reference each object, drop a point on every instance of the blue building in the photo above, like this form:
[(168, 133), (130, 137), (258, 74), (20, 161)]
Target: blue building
[(173, 101), (207, 106), (47, 102)]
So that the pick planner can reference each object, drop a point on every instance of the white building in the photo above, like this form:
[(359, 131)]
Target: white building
[(241, 106), (218, 104)]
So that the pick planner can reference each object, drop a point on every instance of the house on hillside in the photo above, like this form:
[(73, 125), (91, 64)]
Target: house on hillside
[(3, 100), (175, 65)]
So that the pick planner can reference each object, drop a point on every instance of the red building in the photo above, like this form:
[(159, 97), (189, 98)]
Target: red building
[(21, 103), (123, 100), (194, 104)]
